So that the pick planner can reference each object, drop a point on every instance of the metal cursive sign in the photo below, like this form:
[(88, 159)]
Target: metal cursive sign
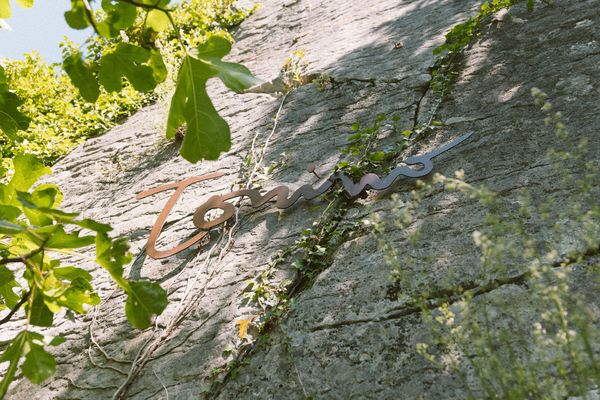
[(279, 195)]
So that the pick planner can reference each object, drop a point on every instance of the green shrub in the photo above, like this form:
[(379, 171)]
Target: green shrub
[(61, 118), (520, 331)]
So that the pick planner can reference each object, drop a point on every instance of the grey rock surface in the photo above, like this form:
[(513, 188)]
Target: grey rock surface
[(345, 337)]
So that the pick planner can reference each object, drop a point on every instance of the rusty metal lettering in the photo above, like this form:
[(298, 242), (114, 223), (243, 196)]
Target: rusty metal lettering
[(281, 195), (162, 217)]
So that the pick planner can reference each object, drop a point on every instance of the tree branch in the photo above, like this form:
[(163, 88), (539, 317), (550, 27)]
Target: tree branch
[(15, 308), (146, 6), (23, 258)]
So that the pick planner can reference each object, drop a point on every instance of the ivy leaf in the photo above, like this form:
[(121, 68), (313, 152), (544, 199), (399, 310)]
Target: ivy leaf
[(207, 133), (144, 300), (39, 365), (128, 61), (82, 77)]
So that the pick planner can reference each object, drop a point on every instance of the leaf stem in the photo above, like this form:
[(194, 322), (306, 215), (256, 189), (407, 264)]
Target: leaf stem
[(89, 12)]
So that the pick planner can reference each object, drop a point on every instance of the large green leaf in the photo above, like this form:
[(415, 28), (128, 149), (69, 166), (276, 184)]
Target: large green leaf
[(7, 283), (159, 69), (207, 134), (9, 228), (39, 365), (72, 273), (6, 275), (158, 20), (8, 298), (119, 16), (28, 169), (113, 255), (38, 312), (9, 213), (127, 61), (12, 355), (11, 119), (144, 300), (79, 293), (76, 16), (82, 77), (62, 240)]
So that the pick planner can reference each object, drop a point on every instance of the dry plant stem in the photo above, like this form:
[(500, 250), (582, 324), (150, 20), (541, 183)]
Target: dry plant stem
[(190, 297), (153, 342), (258, 163), (162, 384)]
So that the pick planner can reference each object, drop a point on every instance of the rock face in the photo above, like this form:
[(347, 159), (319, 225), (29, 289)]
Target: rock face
[(344, 336)]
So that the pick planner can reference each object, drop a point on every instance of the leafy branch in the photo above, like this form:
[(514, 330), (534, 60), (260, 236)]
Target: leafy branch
[(142, 65), (31, 226)]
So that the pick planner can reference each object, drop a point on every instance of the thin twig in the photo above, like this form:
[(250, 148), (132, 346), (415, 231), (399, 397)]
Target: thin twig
[(260, 159), (89, 12), (146, 6), (23, 258), (15, 308)]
